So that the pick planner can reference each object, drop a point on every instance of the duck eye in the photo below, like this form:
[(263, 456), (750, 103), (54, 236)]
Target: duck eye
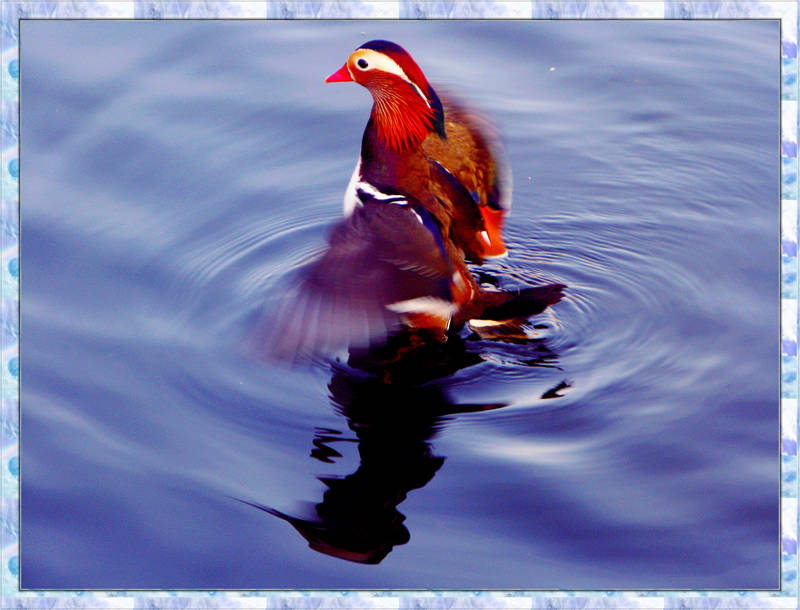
[(362, 63)]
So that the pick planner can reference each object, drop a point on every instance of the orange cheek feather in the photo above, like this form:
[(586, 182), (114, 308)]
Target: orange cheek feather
[(493, 220)]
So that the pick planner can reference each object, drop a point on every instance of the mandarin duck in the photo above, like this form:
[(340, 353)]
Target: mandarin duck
[(427, 193), (431, 148), (388, 266)]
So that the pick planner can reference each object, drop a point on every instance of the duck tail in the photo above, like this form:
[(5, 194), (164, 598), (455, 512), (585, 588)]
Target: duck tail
[(500, 307)]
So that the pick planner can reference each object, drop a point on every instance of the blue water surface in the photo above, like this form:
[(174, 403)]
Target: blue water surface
[(175, 174)]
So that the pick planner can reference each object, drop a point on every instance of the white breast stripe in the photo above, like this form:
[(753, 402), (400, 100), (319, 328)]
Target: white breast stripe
[(366, 187), (431, 305), (350, 195), (373, 192), (356, 184)]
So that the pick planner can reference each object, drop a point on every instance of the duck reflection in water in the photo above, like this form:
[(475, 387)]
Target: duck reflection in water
[(428, 197), (395, 400)]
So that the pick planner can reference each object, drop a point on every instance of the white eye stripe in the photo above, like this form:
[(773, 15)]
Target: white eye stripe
[(384, 63)]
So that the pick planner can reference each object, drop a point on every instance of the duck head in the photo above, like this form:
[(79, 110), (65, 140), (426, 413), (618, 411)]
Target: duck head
[(406, 108)]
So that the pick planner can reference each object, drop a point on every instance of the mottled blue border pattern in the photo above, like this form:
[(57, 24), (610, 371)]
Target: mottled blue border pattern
[(787, 11)]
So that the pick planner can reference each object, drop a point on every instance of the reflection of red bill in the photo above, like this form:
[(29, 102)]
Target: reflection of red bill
[(492, 237), (341, 75)]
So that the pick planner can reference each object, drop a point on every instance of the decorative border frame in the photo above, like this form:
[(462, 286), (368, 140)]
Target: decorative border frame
[(12, 11)]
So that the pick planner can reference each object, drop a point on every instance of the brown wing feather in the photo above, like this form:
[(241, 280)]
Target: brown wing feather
[(473, 153)]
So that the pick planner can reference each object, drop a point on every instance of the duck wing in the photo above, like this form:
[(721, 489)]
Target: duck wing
[(473, 157), (467, 227), (474, 154), (385, 261)]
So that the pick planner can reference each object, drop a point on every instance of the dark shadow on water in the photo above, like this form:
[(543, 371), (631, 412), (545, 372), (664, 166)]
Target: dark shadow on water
[(395, 399)]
